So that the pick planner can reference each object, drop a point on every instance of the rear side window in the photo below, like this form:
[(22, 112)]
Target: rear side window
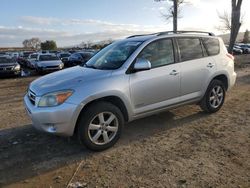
[(212, 46), (190, 48), (159, 53)]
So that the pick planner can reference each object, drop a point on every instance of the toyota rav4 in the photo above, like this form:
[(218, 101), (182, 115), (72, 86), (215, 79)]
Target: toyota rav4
[(130, 79)]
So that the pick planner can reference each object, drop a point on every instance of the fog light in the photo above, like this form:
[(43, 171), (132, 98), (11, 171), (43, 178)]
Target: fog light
[(51, 127)]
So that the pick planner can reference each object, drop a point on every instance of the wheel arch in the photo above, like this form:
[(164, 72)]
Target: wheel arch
[(223, 78), (115, 100)]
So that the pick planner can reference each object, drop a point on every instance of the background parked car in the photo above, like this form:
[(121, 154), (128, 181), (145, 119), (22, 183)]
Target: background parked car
[(236, 50), (244, 47), (2, 53), (48, 63), (9, 66), (22, 59), (31, 60), (64, 56), (14, 55), (78, 58)]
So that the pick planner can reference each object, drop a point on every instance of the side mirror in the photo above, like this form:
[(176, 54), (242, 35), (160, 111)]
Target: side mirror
[(142, 64)]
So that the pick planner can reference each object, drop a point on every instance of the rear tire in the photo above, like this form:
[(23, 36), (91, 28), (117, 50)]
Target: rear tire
[(214, 97), (100, 126)]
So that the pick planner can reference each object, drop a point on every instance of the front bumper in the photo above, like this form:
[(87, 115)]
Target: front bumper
[(48, 69), (10, 72), (59, 120)]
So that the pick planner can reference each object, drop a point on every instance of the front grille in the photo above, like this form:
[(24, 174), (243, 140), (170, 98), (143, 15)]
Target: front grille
[(32, 97), (5, 68), (54, 66)]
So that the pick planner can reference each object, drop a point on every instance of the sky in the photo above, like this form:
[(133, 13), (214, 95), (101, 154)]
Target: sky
[(70, 22)]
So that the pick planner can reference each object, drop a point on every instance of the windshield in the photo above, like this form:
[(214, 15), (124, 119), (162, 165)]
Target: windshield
[(6, 60), (33, 56), (48, 58), (113, 56)]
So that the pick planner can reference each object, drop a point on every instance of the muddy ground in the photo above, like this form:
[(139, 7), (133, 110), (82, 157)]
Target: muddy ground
[(183, 147)]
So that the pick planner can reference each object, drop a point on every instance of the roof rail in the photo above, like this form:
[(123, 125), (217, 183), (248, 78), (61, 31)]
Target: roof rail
[(134, 36), (180, 32), (141, 35)]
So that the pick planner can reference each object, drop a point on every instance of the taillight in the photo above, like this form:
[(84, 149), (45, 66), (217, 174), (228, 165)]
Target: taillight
[(230, 56)]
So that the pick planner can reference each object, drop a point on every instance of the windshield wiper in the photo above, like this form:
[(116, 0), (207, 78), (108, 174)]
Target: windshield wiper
[(90, 66)]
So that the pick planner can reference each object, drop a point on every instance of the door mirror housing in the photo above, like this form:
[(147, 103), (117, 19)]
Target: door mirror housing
[(142, 64)]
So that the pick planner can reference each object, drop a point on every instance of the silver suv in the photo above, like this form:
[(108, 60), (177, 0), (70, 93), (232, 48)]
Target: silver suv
[(130, 79)]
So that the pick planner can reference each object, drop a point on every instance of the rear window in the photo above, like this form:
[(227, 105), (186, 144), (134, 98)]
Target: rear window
[(212, 46), (190, 48)]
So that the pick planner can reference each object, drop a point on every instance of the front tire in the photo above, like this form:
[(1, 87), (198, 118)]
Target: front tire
[(100, 126), (214, 97)]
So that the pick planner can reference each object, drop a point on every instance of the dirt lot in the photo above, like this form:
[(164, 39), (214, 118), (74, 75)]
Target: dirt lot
[(180, 148)]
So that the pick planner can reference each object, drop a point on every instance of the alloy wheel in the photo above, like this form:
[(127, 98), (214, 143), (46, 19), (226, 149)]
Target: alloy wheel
[(103, 128), (216, 96)]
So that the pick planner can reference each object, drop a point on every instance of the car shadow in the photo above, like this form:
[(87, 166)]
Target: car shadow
[(25, 152)]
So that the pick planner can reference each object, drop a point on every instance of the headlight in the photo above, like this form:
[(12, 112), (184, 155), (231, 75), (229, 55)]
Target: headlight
[(61, 66), (55, 98), (17, 67)]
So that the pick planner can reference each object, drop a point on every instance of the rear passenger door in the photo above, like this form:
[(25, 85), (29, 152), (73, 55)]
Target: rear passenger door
[(196, 67)]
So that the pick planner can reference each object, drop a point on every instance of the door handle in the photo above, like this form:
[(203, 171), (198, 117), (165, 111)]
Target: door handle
[(210, 65), (174, 73)]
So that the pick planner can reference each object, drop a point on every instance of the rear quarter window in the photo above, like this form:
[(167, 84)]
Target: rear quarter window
[(211, 45)]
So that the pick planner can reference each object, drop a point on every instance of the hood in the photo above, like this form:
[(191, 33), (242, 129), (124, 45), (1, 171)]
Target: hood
[(66, 79), (8, 64), (49, 63)]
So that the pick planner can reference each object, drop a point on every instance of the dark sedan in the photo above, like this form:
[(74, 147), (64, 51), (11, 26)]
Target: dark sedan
[(64, 56), (9, 67), (78, 58)]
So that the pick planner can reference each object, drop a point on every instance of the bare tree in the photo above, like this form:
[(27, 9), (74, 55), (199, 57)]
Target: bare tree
[(225, 20), (235, 22), (26, 43), (34, 43), (173, 12), (86, 44)]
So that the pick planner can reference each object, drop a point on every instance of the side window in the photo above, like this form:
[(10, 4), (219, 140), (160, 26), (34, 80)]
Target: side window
[(212, 46), (190, 48), (159, 53)]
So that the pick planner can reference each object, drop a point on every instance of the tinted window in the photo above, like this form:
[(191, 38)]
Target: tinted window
[(212, 45), (190, 48), (159, 53)]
